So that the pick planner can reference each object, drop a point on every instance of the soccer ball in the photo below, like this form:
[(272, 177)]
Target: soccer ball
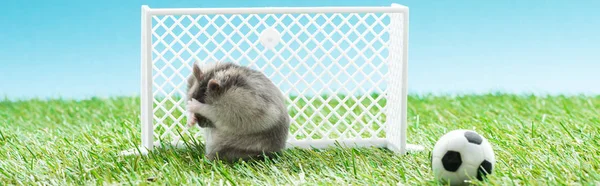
[(462, 155)]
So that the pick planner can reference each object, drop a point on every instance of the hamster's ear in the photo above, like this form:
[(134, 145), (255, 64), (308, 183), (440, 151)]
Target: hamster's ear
[(213, 85), (197, 72)]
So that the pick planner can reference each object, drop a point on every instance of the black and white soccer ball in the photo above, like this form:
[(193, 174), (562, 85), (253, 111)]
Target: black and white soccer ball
[(462, 155)]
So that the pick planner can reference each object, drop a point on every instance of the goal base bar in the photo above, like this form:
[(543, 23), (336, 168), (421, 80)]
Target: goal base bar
[(350, 143), (321, 144)]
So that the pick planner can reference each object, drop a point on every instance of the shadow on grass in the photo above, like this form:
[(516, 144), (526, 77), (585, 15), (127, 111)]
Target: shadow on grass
[(194, 150)]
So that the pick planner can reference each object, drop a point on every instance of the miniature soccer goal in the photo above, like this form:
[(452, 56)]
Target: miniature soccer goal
[(342, 69)]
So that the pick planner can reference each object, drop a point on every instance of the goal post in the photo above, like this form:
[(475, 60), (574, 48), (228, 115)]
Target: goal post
[(343, 70)]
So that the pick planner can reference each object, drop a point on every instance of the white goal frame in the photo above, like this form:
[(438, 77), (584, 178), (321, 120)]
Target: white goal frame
[(395, 126)]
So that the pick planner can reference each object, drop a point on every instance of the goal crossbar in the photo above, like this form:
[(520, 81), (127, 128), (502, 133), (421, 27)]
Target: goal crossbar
[(274, 10)]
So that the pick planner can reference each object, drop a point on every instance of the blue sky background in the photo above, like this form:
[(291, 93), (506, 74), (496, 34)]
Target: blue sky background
[(77, 49)]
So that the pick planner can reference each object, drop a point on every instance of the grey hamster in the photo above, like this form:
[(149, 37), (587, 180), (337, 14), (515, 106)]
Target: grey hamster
[(243, 112)]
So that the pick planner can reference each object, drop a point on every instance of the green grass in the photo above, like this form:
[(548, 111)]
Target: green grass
[(552, 140)]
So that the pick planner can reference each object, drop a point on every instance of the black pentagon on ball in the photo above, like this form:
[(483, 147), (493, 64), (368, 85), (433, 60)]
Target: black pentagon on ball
[(473, 137), (484, 169), (451, 161)]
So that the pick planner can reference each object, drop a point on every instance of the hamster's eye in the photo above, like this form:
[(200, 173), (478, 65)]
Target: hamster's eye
[(200, 95)]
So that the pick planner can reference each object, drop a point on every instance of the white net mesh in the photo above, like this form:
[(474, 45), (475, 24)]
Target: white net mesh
[(333, 67)]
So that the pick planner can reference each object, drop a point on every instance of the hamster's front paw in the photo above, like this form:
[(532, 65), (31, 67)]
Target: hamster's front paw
[(194, 106), (191, 119)]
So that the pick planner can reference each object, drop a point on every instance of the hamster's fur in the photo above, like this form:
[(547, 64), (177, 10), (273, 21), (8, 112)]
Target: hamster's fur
[(243, 112)]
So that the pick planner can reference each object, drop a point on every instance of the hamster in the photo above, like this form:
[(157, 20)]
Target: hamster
[(243, 112)]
